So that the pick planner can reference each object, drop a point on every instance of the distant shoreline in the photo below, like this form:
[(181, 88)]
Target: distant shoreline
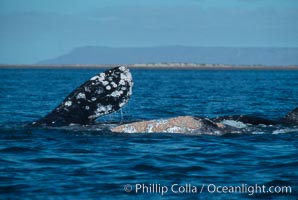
[(158, 66)]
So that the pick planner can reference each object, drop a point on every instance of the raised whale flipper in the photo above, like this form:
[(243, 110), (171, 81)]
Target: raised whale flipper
[(102, 94)]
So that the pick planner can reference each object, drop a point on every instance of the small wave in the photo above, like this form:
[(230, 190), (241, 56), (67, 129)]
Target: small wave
[(10, 189), (258, 132), (16, 150), (63, 161), (285, 130), (5, 161), (146, 167)]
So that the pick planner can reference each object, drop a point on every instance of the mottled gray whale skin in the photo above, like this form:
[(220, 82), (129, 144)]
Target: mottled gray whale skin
[(181, 124), (101, 95), (234, 124)]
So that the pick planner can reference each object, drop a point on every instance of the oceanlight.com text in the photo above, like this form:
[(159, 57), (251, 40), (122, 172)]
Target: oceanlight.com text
[(141, 188)]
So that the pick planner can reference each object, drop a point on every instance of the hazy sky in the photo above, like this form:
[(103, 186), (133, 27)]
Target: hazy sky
[(33, 30)]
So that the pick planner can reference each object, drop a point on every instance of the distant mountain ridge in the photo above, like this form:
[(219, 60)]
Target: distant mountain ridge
[(179, 54)]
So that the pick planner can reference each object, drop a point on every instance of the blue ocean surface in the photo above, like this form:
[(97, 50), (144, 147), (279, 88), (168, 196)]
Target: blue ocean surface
[(74, 163)]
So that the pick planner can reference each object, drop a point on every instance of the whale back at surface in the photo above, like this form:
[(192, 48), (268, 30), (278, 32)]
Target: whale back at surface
[(101, 95), (291, 117), (246, 119)]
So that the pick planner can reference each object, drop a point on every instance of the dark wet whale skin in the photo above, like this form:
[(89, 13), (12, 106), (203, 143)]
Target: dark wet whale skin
[(290, 119), (101, 95)]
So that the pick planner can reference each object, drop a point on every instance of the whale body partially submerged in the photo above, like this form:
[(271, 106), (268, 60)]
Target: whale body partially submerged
[(181, 124), (109, 91)]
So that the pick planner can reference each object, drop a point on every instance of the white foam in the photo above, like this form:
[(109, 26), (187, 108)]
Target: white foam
[(285, 130), (258, 132)]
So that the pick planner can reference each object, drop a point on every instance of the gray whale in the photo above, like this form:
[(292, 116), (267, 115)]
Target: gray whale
[(109, 91)]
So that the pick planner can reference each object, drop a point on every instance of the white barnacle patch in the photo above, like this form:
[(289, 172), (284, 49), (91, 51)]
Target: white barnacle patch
[(122, 82), (81, 96), (94, 78), (123, 77), (123, 88), (126, 76), (122, 68), (161, 122), (129, 92), (108, 87), (130, 83), (116, 93), (149, 128), (129, 129), (122, 104), (68, 103), (99, 77), (87, 107), (175, 129), (105, 83), (93, 99), (101, 110), (114, 85), (109, 107)]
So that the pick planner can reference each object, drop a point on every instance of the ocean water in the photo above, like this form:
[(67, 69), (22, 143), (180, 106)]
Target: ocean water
[(76, 163)]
